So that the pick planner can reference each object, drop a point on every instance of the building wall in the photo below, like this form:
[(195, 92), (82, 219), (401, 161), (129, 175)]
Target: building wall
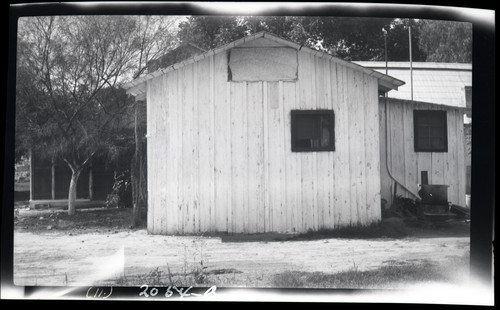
[(219, 152), (397, 152)]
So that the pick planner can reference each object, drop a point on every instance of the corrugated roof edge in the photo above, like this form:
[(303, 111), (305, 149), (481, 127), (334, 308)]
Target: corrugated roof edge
[(393, 82), (426, 102)]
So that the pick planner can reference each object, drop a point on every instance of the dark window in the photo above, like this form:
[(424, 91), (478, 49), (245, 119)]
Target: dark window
[(430, 131), (312, 131)]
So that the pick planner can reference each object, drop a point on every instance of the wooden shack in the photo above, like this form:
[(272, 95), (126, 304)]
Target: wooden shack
[(421, 143), (262, 135)]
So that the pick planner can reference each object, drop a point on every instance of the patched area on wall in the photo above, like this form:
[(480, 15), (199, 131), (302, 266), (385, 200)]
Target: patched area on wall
[(262, 60)]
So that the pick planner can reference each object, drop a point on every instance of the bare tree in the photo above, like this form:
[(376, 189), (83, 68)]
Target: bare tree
[(69, 68)]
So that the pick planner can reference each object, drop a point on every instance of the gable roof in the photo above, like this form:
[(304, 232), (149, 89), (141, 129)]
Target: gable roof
[(138, 86)]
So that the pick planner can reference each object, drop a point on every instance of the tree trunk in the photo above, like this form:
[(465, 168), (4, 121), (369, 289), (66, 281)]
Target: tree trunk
[(72, 192)]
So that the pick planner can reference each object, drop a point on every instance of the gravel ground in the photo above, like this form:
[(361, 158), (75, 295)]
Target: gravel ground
[(71, 253)]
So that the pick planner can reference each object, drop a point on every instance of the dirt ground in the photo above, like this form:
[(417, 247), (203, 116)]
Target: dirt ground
[(98, 248)]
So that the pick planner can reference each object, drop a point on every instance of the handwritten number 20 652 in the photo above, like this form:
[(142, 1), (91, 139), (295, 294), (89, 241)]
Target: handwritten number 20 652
[(183, 292)]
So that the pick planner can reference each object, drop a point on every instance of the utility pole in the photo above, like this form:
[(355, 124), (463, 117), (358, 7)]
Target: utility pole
[(411, 63)]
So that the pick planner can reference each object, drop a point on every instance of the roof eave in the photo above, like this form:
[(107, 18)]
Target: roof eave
[(386, 82)]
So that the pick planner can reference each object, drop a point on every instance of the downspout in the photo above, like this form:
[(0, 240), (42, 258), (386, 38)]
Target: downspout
[(387, 151)]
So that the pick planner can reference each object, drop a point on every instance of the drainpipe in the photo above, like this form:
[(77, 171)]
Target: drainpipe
[(387, 151)]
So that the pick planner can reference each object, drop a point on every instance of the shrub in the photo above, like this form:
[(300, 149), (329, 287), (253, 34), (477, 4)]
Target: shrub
[(121, 195)]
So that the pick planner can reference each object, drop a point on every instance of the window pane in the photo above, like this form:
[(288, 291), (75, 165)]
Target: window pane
[(423, 132), (325, 131), (303, 142), (423, 143), (437, 143), (430, 130), (436, 120), (423, 121), (436, 132), (307, 127), (312, 130)]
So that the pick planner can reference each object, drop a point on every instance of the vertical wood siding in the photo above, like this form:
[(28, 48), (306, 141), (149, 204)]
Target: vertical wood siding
[(406, 165), (219, 152)]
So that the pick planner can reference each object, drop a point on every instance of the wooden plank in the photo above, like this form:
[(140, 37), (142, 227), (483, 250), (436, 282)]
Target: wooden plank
[(265, 107), (191, 149), (376, 179), (255, 157), (157, 204), (331, 103), (363, 122), (291, 190), (437, 168), (305, 88), (396, 150), (173, 157), (410, 160), (187, 146), (181, 173), (451, 166), (212, 143), (261, 198), (161, 132), (342, 136), (285, 212), (252, 155), (385, 182), (163, 149), (283, 146), (222, 143), (354, 145), (274, 212), (322, 158), (167, 168), (151, 150), (325, 186), (204, 157), (245, 166), (314, 181), (461, 160), (227, 164), (196, 150), (238, 156), (372, 150)]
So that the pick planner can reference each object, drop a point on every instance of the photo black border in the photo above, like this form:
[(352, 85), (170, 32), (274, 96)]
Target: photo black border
[(484, 67)]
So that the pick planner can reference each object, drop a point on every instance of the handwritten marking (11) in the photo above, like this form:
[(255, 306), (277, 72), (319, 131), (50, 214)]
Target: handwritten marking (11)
[(99, 292)]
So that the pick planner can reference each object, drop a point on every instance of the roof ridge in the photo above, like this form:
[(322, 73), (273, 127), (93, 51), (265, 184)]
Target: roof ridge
[(385, 79)]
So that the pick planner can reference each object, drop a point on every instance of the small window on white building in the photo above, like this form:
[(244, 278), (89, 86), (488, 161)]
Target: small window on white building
[(430, 131), (313, 131)]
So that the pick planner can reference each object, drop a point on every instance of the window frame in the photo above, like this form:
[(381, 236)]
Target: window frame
[(443, 118), (329, 113)]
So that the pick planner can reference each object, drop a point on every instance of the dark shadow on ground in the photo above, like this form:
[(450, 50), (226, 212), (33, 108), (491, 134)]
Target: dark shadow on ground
[(84, 221), (119, 219), (392, 228)]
